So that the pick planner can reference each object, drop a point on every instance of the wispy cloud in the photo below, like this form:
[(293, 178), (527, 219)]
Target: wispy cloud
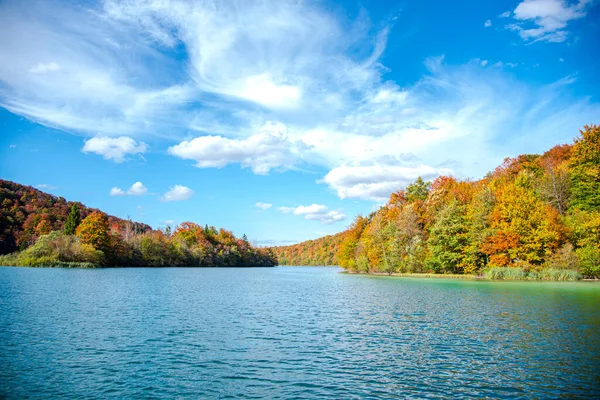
[(45, 186), (277, 85), (263, 206), (42, 68), (487, 23)]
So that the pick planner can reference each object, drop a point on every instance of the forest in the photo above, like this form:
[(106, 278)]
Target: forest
[(38, 229), (318, 252), (533, 217)]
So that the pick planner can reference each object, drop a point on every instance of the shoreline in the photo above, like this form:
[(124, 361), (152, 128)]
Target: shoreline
[(426, 275)]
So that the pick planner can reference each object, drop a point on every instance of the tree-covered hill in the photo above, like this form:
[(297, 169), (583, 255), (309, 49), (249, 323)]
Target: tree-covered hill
[(534, 216), (38, 229), (318, 252), (26, 213)]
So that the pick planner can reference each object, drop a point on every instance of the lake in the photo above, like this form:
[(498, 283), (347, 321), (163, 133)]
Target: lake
[(292, 332)]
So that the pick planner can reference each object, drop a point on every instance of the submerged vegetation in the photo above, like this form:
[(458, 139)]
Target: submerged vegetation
[(533, 217), (49, 233)]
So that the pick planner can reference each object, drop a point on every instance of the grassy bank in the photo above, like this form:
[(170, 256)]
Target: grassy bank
[(496, 274)]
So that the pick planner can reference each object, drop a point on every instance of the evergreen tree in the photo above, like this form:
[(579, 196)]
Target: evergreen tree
[(418, 190), (73, 220)]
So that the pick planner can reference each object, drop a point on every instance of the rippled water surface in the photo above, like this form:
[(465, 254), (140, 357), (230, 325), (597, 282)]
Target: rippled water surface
[(292, 332)]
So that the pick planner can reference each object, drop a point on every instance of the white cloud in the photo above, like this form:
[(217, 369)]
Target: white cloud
[(546, 20), (505, 14), (316, 212), (42, 68), (114, 148), (264, 206), (376, 182), (115, 191), (487, 23), (13, 146), (177, 193), (312, 209), (45, 186), (137, 189), (262, 151), (319, 79)]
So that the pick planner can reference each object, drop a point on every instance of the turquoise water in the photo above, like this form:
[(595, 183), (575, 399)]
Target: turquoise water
[(292, 332)]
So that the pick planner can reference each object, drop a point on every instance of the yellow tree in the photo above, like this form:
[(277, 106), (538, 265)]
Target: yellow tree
[(93, 230), (525, 229)]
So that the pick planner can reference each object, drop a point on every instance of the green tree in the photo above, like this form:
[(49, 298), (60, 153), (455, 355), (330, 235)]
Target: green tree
[(73, 221), (585, 170), (448, 239), (418, 190)]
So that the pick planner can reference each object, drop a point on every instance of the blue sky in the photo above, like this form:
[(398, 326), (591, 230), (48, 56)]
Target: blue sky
[(283, 120)]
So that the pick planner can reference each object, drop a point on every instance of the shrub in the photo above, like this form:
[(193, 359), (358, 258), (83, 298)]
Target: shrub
[(589, 261), (564, 258)]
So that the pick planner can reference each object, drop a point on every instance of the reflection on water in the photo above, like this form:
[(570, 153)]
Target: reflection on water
[(292, 332)]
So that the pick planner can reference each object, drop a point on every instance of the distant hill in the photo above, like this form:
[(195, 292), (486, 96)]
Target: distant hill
[(27, 213), (318, 252)]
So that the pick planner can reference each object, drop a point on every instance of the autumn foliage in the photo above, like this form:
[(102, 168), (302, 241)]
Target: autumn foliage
[(534, 213), (42, 227)]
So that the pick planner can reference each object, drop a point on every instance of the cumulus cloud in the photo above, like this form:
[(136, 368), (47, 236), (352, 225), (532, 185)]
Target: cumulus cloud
[(376, 182), (546, 20), (115, 191), (262, 151), (263, 206), (137, 189), (487, 23), (505, 14), (177, 193), (114, 148), (316, 212)]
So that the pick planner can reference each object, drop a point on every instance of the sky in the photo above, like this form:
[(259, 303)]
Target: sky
[(283, 120)]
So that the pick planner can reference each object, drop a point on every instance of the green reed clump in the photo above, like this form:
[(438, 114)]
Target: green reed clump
[(504, 273), (554, 274), (519, 274)]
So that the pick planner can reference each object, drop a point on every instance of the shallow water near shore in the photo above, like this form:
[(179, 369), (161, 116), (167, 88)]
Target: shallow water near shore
[(292, 332)]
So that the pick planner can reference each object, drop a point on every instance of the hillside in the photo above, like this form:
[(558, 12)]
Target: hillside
[(39, 229), (318, 252), (27, 213), (535, 216)]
